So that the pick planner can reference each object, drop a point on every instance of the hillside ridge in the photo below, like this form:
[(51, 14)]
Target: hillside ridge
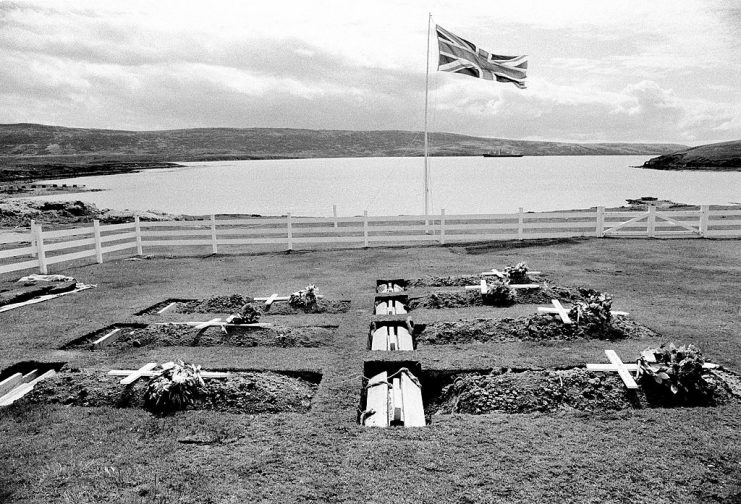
[(27, 139), (721, 156)]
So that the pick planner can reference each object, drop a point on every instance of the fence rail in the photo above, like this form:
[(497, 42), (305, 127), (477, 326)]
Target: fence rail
[(39, 249)]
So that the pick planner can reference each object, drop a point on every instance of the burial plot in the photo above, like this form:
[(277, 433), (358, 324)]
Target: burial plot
[(538, 390), (208, 333), (500, 295), (249, 392), (233, 303), (529, 328)]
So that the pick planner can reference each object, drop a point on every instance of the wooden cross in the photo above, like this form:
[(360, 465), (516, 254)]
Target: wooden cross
[(275, 297), (135, 375), (219, 324), (204, 325), (496, 272), (559, 310), (624, 369), (483, 288), (147, 371), (621, 369)]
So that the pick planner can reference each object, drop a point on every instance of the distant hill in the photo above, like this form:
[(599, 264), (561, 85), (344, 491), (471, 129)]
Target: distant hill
[(724, 156), (23, 140), (34, 151)]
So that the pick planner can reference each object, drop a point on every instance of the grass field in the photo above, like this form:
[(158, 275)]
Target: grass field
[(685, 290)]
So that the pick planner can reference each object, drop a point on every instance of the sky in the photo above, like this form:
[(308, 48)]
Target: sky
[(599, 70)]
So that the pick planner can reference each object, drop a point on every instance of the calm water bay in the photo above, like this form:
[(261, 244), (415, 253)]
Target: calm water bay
[(391, 186)]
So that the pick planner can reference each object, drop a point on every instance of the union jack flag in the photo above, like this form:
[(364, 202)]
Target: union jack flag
[(461, 56)]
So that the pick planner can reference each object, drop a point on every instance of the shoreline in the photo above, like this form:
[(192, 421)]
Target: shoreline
[(18, 213), (18, 170)]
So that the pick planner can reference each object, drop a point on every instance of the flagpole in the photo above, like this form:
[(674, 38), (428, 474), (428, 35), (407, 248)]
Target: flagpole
[(427, 87)]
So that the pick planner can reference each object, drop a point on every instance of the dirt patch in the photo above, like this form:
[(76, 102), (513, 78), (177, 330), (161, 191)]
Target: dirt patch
[(530, 328), (543, 295), (232, 304), (553, 390), (446, 300), (322, 305), (180, 335), (216, 304), (245, 392), (446, 281)]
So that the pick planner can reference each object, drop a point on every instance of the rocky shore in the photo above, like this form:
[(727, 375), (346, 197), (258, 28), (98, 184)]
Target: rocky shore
[(20, 213), (26, 170)]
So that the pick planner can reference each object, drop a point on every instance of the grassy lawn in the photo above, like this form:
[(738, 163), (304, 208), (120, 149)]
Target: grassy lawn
[(685, 290)]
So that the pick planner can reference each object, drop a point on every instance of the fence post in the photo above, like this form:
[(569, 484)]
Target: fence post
[(290, 231), (520, 223), (365, 228), (98, 245), (138, 231), (34, 253), (601, 221), (704, 219), (214, 248), (651, 221), (334, 213), (442, 226), (43, 269)]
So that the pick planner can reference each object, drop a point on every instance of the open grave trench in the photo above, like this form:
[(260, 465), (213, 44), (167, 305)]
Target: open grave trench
[(247, 392), (136, 335), (233, 303)]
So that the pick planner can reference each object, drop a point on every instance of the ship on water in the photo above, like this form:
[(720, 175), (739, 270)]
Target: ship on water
[(499, 153)]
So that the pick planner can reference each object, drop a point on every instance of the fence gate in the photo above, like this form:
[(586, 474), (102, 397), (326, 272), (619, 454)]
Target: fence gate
[(661, 224)]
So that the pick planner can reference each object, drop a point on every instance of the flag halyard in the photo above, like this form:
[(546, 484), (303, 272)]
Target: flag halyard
[(458, 55)]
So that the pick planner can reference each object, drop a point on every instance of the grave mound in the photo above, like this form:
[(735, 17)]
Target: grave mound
[(456, 299), (252, 392), (530, 328), (180, 335), (531, 391), (232, 304)]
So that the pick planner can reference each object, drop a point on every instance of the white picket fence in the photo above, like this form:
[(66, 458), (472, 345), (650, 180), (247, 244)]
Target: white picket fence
[(40, 249)]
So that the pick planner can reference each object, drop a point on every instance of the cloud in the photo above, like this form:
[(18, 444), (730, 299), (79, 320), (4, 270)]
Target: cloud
[(630, 71)]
